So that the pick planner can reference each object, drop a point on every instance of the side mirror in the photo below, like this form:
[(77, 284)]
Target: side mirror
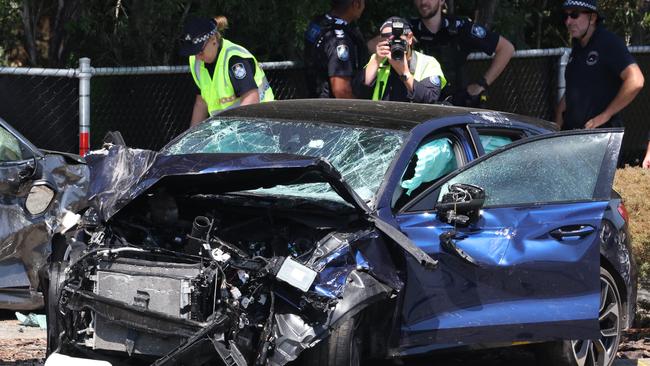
[(39, 198), (461, 205)]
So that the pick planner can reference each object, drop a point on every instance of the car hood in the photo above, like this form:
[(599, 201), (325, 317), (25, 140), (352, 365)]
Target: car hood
[(119, 175)]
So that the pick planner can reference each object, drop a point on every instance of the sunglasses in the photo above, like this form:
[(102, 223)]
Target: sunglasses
[(385, 35), (572, 15)]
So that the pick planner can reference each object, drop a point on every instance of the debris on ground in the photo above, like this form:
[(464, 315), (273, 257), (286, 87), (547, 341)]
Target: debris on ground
[(25, 351), (32, 320), (635, 344)]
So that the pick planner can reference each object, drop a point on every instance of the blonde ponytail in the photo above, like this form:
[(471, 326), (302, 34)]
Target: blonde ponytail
[(222, 23)]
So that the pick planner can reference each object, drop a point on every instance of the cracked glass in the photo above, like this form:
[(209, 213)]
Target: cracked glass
[(557, 169), (361, 154)]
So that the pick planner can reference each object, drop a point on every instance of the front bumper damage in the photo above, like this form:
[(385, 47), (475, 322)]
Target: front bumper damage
[(170, 270)]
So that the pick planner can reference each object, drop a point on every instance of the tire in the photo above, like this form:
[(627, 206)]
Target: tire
[(342, 348), (51, 300), (591, 353)]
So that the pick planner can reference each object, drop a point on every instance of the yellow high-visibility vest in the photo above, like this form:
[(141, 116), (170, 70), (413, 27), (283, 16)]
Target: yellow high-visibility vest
[(217, 91), (425, 66)]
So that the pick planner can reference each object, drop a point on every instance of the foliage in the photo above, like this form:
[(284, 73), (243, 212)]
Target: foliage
[(145, 32), (632, 184), (9, 28)]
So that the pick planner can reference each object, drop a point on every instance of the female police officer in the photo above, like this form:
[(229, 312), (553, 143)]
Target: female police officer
[(226, 74), (396, 72)]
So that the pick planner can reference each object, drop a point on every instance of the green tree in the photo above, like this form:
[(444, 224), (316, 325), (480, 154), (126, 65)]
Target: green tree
[(56, 33)]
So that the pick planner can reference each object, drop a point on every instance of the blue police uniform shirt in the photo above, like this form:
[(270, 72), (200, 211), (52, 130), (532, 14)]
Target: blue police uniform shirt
[(593, 78), (454, 41), (333, 48)]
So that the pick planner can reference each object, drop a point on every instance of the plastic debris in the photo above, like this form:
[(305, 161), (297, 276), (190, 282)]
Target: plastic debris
[(32, 320)]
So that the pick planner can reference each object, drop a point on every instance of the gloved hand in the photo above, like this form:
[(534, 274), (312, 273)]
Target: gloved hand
[(463, 99)]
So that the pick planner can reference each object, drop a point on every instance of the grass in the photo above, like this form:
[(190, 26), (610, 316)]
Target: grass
[(633, 183)]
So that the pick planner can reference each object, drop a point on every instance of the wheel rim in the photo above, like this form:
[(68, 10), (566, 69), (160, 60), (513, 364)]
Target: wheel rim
[(602, 351)]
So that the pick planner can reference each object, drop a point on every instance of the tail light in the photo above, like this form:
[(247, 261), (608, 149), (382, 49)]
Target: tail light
[(623, 212)]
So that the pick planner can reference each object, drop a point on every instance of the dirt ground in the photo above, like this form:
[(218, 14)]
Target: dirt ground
[(23, 346)]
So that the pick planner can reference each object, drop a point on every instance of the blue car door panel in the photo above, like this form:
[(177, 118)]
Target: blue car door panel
[(527, 269)]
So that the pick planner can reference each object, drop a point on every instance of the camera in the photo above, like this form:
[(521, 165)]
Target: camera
[(397, 44)]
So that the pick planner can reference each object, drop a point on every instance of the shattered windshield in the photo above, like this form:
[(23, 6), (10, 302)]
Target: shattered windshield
[(361, 154)]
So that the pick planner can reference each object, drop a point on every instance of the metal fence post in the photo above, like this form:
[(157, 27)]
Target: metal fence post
[(561, 82), (85, 73)]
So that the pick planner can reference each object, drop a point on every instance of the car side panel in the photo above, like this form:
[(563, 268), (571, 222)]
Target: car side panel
[(527, 286)]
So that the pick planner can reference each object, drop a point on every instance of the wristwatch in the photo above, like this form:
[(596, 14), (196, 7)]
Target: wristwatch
[(405, 77)]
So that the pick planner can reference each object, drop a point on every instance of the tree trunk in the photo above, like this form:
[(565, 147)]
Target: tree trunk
[(485, 10), (66, 10), (540, 21), (639, 36), (29, 27)]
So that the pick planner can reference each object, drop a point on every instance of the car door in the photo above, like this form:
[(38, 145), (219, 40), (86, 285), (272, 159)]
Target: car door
[(527, 268)]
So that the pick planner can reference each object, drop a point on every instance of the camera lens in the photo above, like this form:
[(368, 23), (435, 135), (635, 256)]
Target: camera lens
[(397, 49)]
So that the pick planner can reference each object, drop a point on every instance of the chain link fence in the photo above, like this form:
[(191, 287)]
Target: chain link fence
[(150, 106)]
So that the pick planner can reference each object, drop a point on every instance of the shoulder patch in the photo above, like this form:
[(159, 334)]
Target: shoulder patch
[(343, 52), (592, 58), (239, 71), (435, 80), (478, 31)]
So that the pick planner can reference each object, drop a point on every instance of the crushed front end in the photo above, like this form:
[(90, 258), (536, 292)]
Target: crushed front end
[(187, 273)]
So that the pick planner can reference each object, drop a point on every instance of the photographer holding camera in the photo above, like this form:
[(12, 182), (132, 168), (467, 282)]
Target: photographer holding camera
[(396, 72)]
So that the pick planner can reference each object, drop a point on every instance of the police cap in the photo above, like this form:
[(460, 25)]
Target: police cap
[(589, 5), (196, 32)]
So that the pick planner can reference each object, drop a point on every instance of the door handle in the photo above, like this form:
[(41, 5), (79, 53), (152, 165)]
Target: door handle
[(574, 231)]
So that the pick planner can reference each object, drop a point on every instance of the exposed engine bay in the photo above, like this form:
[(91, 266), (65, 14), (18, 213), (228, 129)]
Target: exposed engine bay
[(177, 278)]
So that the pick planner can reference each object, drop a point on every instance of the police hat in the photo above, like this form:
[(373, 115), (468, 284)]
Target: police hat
[(196, 32), (589, 5)]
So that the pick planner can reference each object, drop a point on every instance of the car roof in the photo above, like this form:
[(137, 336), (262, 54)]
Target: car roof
[(367, 113)]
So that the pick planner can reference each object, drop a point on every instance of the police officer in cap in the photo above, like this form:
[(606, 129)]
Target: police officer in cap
[(450, 40), (396, 72), (335, 50), (226, 74), (601, 77)]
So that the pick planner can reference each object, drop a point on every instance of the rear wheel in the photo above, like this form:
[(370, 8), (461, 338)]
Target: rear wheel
[(600, 352)]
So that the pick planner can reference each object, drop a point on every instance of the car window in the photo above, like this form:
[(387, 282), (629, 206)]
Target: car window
[(9, 147), (558, 169), (493, 142), (435, 158), (432, 160)]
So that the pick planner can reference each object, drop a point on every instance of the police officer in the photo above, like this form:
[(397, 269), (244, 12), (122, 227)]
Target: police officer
[(334, 50), (395, 72), (450, 40), (226, 74), (602, 77)]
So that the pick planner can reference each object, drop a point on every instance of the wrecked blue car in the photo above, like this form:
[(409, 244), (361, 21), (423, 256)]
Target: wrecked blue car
[(332, 232)]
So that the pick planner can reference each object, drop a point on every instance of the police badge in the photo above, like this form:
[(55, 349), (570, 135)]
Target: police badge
[(343, 52), (238, 71), (478, 31)]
